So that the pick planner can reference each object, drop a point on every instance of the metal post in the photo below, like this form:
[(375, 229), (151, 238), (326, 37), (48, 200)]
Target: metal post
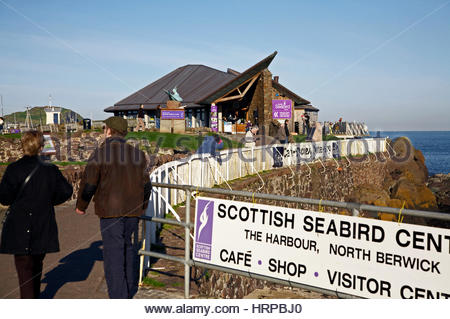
[(187, 246), (168, 192), (228, 165), (240, 165), (142, 258), (175, 191)]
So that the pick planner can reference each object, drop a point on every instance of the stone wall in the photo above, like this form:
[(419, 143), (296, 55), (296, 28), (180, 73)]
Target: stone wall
[(267, 115), (257, 102), (10, 149), (78, 147), (262, 101), (75, 147), (439, 184)]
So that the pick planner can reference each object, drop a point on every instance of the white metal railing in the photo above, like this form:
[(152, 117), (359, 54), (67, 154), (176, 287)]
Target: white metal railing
[(207, 170)]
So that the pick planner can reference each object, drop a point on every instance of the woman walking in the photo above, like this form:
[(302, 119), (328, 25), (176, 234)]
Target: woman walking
[(31, 188)]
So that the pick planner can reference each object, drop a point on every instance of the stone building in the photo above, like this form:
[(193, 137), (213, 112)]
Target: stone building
[(221, 101)]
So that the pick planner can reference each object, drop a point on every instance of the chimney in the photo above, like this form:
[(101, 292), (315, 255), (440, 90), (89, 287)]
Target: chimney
[(276, 78)]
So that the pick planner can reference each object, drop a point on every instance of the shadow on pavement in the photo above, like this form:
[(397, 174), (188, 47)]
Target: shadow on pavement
[(72, 268)]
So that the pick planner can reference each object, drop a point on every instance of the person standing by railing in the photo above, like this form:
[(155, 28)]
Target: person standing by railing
[(307, 123), (117, 179), (276, 130), (286, 131)]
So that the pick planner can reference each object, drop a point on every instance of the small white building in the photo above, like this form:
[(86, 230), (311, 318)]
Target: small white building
[(53, 115)]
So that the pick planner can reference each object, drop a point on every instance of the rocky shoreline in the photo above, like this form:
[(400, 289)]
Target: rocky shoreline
[(439, 184)]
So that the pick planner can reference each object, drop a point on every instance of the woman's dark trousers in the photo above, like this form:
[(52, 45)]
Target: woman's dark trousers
[(29, 271)]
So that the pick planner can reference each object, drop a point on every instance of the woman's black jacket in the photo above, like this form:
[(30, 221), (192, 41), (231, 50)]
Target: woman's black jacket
[(30, 228)]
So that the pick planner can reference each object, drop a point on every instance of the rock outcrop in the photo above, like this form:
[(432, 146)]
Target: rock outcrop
[(439, 184)]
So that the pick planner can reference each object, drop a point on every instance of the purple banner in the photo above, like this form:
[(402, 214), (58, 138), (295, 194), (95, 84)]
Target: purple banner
[(281, 109), (214, 119), (204, 222), (172, 114)]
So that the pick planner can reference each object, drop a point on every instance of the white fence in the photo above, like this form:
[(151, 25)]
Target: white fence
[(207, 170)]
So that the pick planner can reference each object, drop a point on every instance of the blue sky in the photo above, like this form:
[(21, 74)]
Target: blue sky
[(386, 63)]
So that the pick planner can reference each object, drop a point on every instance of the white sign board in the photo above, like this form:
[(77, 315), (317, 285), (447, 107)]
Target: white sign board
[(49, 146), (359, 256), (227, 127), (302, 152)]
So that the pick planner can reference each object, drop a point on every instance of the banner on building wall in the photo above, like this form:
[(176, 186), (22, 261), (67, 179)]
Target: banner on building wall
[(281, 109), (172, 114), (214, 118), (307, 152), (359, 256)]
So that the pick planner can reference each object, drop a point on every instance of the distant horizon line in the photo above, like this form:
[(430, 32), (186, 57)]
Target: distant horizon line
[(410, 131)]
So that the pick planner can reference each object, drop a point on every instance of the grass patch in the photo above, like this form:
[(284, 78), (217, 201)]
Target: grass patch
[(330, 138), (69, 163), (168, 226), (153, 273), (302, 138), (98, 130), (4, 164), (177, 284), (169, 215), (175, 207), (299, 138), (12, 135), (169, 140), (153, 282)]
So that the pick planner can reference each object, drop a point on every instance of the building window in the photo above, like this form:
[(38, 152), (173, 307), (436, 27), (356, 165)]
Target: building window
[(196, 117), (132, 114), (188, 117)]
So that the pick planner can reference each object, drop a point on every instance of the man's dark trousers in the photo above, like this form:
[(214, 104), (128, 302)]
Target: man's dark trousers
[(120, 255)]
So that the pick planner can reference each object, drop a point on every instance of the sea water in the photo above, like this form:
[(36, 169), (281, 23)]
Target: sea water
[(435, 146)]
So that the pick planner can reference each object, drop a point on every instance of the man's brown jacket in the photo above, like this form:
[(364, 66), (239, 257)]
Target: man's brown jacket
[(116, 177)]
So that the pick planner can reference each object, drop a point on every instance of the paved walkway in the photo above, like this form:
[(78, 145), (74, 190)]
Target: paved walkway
[(74, 272), (77, 270)]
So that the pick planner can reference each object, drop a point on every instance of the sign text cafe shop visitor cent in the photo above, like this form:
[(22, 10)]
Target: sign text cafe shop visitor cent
[(358, 256)]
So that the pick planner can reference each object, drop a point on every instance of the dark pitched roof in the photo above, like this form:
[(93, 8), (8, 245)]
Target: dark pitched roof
[(197, 85), (307, 108), (192, 82), (288, 93), (282, 89), (237, 80)]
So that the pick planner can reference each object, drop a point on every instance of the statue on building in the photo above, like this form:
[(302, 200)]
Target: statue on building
[(174, 95)]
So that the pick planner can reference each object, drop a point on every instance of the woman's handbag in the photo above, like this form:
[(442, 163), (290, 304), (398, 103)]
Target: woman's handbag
[(25, 182)]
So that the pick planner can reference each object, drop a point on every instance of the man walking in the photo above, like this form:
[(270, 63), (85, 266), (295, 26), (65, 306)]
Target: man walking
[(117, 179), (140, 118)]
